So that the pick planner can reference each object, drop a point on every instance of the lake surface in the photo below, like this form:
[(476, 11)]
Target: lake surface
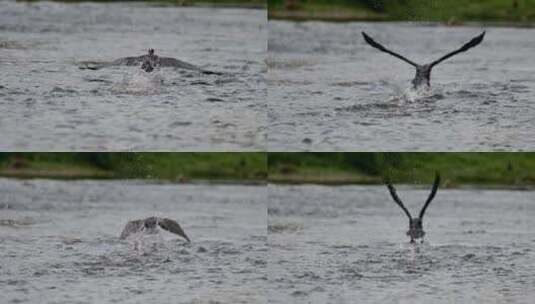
[(59, 243), (48, 103), (347, 244), (329, 90)]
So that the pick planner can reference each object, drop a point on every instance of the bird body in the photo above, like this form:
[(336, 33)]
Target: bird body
[(423, 71), (150, 225), (416, 230)]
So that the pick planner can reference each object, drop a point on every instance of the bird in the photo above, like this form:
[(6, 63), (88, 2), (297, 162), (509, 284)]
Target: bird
[(423, 71), (150, 225), (148, 63), (416, 229)]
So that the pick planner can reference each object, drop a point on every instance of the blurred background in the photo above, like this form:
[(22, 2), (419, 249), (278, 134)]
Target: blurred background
[(180, 167), (505, 169), (452, 12)]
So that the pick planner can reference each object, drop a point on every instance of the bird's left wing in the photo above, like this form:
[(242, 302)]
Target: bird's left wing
[(436, 183), (173, 227), (470, 44)]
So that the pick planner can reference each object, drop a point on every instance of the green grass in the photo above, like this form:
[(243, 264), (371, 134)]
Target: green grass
[(509, 169), (169, 166), (450, 11), (323, 10)]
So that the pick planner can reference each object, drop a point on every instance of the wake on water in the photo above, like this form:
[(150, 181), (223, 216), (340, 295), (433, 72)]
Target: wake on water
[(140, 83), (410, 95)]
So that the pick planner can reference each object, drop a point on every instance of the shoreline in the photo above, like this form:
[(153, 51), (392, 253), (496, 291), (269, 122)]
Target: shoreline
[(177, 3), (343, 178), (61, 172), (31, 175), (341, 183), (435, 23)]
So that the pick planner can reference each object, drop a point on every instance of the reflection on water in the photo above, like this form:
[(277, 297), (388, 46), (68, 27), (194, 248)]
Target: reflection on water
[(47, 102), (329, 90), (59, 241), (347, 244)]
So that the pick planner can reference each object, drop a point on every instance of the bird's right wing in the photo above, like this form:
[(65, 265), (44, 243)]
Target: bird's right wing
[(378, 46), (97, 65), (172, 226), (131, 227), (396, 198)]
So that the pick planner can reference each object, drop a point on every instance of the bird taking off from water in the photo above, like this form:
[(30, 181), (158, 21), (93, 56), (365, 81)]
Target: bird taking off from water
[(423, 71), (148, 63), (416, 229), (150, 226)]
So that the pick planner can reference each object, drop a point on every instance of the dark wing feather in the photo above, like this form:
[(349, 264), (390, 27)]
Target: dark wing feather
[(472, 43), (396, 198), (436, 183), (378, 46), (172, 62), (129, 61), (173, 227)]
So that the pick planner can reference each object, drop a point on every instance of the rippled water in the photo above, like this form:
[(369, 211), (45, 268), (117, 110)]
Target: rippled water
[(59, 243), (329, 90), (347, 244), (48, 103)]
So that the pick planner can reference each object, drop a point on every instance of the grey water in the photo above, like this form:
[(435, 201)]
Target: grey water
[(48, 103), (347, 244), (59, 243), (329, 90)]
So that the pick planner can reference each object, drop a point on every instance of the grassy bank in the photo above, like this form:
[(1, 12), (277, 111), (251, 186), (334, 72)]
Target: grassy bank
[(167, 166), (451, 11), (209, 3), (505, 169)]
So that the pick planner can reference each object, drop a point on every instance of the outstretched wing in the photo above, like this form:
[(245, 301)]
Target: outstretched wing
[(97, 65), (396, 198), (475, 41), (436, 183), (172, 62), (378, 46), (129, 61), (131, 227), (173, 227)]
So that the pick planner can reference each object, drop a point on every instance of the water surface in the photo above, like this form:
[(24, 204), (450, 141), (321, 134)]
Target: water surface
[(48, 103), (347, 244), (59, 243), (329, 90)]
